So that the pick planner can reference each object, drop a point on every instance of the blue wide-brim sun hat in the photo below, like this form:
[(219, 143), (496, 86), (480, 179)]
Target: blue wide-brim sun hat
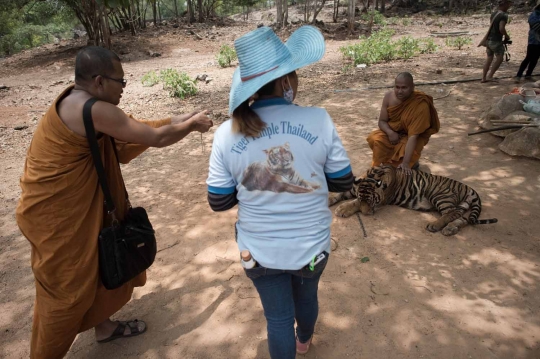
[(263, 57)]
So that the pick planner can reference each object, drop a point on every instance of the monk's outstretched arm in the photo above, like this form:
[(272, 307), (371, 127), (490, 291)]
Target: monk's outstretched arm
[(128, 151), (112, 121)]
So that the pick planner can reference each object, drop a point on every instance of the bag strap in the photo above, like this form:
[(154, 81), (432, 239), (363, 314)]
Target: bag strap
[(94, 149), (120, 169)]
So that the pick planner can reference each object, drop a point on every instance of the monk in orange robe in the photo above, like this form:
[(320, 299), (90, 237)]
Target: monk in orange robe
[(61, 210), (407, 120)]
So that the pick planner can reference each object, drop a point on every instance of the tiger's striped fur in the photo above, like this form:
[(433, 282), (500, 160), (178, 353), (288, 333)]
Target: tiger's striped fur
[(384, 185)]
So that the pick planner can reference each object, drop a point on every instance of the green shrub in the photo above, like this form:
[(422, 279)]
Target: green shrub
[(178, 84), (29, 36), (225, 56), (406, 22), (150, 79), (377, 17), (427, 46), (458, 42), (379, 47), (407, 47)]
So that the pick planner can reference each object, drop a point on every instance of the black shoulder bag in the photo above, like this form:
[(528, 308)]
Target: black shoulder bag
[(126, 248)]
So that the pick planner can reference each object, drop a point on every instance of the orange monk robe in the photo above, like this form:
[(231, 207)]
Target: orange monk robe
[(415, 116), (61, 213)]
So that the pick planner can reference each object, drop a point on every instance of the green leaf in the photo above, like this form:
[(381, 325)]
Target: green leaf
[(364, 260)]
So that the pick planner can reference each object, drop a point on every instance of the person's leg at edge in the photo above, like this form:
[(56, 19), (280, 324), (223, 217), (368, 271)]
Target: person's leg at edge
[(534, 55), (487, 65), (306, 305), (498, 61), (525, 62), (276, 296)]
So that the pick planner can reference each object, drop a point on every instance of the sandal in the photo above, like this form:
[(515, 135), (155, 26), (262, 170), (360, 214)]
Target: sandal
[(121, 328)]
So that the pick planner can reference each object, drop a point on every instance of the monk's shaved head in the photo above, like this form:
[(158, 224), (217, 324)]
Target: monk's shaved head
[(405, 76), (94, 60), (404, 86)]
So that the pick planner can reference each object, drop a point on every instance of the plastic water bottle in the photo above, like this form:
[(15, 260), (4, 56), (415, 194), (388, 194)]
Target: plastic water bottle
[(247, 260)]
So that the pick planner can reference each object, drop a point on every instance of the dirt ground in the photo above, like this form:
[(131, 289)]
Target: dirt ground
[(420, 295)]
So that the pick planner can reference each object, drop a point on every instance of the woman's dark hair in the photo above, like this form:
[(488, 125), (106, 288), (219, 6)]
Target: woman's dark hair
[(245, 120)]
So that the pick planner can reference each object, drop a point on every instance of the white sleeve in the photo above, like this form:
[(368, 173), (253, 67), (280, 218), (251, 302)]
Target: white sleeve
[(220, 180), (337, 162)]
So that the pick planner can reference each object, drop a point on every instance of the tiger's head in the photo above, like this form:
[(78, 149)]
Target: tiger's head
[(374, 189)]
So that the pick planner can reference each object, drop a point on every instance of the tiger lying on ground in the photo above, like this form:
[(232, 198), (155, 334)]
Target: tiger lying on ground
[(419, 191)]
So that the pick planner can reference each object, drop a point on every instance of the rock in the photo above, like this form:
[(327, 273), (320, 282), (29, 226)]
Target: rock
[(153, 53), (78, 33), (59, 82), (19, 128), (260, 25), (500, 109), (3, 87), (208, 79), (430, 22), (525, 142), (201, 77), (438, 72), (514, 116)]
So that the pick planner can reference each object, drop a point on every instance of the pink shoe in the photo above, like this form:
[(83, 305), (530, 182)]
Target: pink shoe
[(303, 348)]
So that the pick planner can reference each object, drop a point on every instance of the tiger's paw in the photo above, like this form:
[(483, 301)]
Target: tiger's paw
[(432, 227), (346, 209), (450, 230), (334, 198)]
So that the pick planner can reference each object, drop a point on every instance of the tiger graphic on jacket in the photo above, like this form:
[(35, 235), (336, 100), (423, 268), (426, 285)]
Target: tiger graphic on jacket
[(277, 173), (384, 185)]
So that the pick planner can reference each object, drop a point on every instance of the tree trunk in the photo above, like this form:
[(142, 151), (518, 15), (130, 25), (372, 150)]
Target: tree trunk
[(201, 14), (175, 9), (285, 12), (159, 12), (191, 13), (382, 7), (154, 11), (317, 10), (279, 13), (351, 14), (336, 11)]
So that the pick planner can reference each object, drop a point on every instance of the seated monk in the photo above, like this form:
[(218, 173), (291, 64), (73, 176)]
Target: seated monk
[(407, 120)]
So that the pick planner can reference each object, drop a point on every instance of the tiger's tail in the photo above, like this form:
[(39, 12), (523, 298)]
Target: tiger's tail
[(476, 209)]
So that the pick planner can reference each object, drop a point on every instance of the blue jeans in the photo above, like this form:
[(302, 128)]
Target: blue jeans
[(287, 295)]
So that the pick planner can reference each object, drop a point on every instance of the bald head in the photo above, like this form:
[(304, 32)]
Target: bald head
[(405, 76), (404, 86), (94, 60)]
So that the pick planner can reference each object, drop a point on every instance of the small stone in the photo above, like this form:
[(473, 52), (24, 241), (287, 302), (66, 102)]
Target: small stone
[(3, 87), (19, 128), (438, 72)]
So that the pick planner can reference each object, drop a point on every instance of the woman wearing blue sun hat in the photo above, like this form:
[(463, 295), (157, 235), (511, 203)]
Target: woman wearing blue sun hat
[(278, 161)]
